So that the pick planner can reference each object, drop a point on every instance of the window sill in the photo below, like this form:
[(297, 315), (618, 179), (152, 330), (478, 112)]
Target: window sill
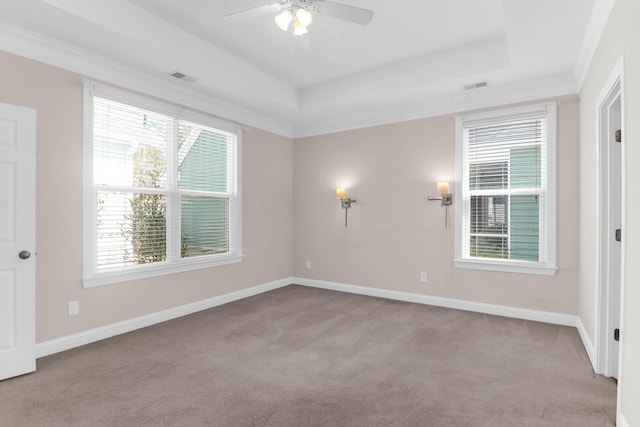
[(161, 269), (509, 267)]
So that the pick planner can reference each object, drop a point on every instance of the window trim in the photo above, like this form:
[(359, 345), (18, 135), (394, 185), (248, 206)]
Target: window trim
[(90, 276), (545, 267)]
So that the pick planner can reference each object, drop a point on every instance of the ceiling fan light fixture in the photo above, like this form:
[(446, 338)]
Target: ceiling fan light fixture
[(304, 17), (283, 19), (298, 28)]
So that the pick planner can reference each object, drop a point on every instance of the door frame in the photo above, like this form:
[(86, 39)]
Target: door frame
[(605, 301)]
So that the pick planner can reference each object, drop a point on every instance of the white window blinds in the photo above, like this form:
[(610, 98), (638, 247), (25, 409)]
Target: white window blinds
[(506, 189), (163, 190), (130, 153)]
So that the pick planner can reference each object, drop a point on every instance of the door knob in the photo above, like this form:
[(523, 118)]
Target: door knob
[(24, 254)]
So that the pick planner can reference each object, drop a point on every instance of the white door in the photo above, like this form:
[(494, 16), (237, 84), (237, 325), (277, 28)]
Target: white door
[(17, 240)]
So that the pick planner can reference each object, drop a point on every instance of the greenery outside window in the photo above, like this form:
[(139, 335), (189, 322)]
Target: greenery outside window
[(505, 217), (161, 189)]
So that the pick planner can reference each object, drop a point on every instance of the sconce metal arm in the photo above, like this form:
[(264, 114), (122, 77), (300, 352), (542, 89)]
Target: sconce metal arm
[(447, 200), (346, 204)]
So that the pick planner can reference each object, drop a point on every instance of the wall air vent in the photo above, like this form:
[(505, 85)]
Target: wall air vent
[(181, 76), (475, 85)]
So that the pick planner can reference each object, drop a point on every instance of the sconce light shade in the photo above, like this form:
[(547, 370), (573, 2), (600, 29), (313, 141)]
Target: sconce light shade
[(442, 187), (345, 201), (445, 196)]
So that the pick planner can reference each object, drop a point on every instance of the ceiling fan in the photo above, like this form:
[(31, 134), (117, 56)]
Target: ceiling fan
[(301, 12)]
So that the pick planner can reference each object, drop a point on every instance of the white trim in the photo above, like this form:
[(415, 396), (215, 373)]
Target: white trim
[(299, 124), (493, 97), (89, 245), (236, 213), (597, 23), (588, 344), (157, 106), (602, 216), (514, 267), (548, 227), (91, 277), (603, 303), (514, 113), (623, 247), (621, 421), (159, 269), (87, 337), (478, 307), (53, 52)]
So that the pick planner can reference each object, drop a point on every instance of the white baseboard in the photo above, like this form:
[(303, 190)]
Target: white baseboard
[(498, 310), (588, 344), (57, 345), (621, 421), (86, 337)]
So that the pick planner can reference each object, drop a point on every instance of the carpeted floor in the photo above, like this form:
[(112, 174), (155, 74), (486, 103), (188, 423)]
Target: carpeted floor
[(300, 356)]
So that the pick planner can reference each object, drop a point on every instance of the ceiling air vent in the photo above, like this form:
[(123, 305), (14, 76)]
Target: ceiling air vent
[(182, 76), (475, 85)]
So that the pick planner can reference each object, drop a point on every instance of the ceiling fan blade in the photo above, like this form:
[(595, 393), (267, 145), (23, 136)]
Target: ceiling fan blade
[(251, 12), (354, 14)]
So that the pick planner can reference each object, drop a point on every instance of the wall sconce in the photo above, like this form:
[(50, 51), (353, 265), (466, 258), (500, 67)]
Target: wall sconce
[(345, 201), (444, 195)]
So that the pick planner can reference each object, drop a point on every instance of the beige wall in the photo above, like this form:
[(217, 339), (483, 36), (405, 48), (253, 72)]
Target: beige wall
[(622, 35), (394, 233), (267, 204)]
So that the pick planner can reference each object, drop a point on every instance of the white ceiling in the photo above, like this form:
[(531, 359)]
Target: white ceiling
[(412, 60)]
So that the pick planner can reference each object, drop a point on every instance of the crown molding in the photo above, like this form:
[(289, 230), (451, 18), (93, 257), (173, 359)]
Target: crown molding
[(52, 52), (424, 106), (296, 123)]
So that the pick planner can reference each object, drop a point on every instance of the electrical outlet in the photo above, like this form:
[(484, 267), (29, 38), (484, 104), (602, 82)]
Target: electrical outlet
[(74, 308), (423, 277), (308, 265)]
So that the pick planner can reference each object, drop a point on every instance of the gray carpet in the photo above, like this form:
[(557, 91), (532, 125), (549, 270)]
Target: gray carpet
[(299, 356)]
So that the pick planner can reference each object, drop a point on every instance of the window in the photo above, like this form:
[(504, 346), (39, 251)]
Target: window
[(161, 189), (506, 165)]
